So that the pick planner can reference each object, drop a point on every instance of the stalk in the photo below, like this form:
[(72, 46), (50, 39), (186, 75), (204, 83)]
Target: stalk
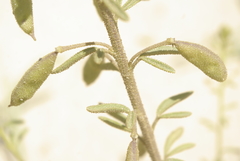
[(129, 81)]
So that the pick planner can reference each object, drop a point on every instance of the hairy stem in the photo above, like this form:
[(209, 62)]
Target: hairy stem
[(129, 81)]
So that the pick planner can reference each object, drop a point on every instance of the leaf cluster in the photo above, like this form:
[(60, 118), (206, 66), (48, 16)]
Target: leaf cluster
[(123, 120)]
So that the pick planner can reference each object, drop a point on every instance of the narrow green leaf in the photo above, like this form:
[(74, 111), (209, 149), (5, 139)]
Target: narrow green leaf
[(114, 123), (129, 4), (108, 108), (169, 102), (22, 10), (158, 64), (132, 151), (208, 124), (22, 134), (116, 9), (75, 58), (14, 122), (162, 50), (119, 116), (180, 148), (175, 115), (131, 120), (171, 139), (173, 159)]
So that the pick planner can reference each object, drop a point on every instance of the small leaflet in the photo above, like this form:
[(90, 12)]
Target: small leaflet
[(158, 64), (108, 108)]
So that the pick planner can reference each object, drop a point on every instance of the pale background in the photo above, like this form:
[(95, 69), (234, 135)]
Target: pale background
[(60, 128)]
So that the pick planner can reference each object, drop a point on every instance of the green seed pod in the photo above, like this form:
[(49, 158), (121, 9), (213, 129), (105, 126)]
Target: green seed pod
[(33, 79), (203, 58)]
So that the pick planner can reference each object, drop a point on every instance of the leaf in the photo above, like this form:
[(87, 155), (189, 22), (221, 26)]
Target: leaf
[(114, 123), (162, 50), (119, 116), (169, 102), (91, 70), (175, 115), (131, 120), (173, 159), (22, 134), (208, 124), (171, 139), (231, 106), (158, 64), (108, 108), (132, 151), (129, 4), (116, 9), (141, 148), (232, 150), (14, 122), (33, 79), (22, 10), (203, 58), (180, 148), (75, 58)]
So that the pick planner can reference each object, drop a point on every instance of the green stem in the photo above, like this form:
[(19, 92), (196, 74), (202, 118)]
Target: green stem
[(129, 81), (220, 127), (155, 123), (61, 49), (10, 146), (220, 117)]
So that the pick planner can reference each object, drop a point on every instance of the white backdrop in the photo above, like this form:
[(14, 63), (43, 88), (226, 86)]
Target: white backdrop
[(59, 126)]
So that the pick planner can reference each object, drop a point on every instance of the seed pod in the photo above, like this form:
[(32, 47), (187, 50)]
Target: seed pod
[(203, 58), (33, 79)]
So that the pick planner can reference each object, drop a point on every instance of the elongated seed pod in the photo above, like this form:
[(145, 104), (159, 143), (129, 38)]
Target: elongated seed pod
[(203, 58), (33, 79)]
